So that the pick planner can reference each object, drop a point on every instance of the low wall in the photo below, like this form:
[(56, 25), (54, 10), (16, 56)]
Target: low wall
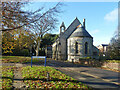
[(115, 66), (97, 63)]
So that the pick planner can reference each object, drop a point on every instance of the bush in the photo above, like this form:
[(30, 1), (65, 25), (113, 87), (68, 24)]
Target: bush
[(23, 52), (84, 58)]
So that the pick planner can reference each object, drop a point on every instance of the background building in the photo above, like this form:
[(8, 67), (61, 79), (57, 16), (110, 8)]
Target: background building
[(103, 49)]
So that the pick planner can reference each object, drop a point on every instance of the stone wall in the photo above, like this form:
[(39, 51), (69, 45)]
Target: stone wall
[(59, 49), (112, 65), (81, 48), (97, 63), (63, 49), (95, 52)]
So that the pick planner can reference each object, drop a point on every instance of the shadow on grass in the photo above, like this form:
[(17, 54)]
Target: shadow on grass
[(75, 81), (52, 79), (7, 78), (43, 79)]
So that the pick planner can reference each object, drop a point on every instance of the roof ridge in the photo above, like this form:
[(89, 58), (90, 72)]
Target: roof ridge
[(71, 24)]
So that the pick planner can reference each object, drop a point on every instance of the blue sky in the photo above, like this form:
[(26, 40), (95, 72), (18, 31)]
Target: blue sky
[(101, 17)]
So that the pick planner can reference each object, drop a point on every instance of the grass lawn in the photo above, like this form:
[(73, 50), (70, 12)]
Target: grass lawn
[(7, 77), (36, 77), (20, 59)]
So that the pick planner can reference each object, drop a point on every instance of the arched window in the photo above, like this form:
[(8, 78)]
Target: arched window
[(86, 48), (76, 47)]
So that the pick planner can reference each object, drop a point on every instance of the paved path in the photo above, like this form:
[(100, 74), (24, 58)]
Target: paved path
[(94, 77), (18, 79), (91, 79)]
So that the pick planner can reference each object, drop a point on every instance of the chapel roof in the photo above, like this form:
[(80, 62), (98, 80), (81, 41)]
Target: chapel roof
[(80, 32)]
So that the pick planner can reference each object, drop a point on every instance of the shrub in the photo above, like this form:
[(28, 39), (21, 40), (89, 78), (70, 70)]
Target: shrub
[(84, 58), (23, 52)]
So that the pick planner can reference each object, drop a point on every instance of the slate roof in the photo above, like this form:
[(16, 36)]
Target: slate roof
[(81, 32), (71, 28)]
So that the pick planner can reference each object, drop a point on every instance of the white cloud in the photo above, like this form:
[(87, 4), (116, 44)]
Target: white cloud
[(112, 16), (94, 31)]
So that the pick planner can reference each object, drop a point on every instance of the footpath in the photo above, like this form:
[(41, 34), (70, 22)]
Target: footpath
[(18, 79), (96, 80)]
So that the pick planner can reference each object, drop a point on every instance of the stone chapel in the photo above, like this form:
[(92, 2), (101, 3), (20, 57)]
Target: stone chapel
[(74, 43)]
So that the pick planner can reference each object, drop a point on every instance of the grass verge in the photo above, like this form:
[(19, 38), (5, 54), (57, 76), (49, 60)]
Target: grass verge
[(36, 77), (7, 77)]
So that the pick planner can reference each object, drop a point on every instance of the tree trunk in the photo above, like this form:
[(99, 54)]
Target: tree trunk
[(37, 49)]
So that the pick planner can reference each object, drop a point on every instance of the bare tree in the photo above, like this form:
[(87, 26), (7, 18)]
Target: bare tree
[(46, 23), (14, 17), (114, 46), (38, 22)]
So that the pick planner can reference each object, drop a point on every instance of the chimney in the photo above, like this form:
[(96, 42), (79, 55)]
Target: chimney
[(84, 22)]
